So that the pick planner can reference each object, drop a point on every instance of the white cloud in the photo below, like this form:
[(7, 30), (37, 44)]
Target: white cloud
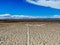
[(4, 15), (51, 3), (9, 16), (55, 16)]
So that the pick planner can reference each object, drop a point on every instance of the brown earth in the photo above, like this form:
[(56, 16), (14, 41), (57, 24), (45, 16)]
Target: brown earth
[(34, 33)]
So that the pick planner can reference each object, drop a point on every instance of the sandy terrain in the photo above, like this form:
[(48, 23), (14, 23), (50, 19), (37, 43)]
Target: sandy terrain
[(34, 33)]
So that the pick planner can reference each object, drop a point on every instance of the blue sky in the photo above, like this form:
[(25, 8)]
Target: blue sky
[(22, 7)]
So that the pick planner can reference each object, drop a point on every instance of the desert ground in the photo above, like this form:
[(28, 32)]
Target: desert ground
[(30, 33)]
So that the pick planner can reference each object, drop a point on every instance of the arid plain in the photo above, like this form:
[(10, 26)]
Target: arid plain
[(29, 33)]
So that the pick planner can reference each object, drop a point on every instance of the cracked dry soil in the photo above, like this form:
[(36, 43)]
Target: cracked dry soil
[(16, 33)]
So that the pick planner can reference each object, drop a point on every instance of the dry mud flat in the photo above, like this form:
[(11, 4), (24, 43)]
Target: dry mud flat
[(12, 34), (34, 33), (46, 34)]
